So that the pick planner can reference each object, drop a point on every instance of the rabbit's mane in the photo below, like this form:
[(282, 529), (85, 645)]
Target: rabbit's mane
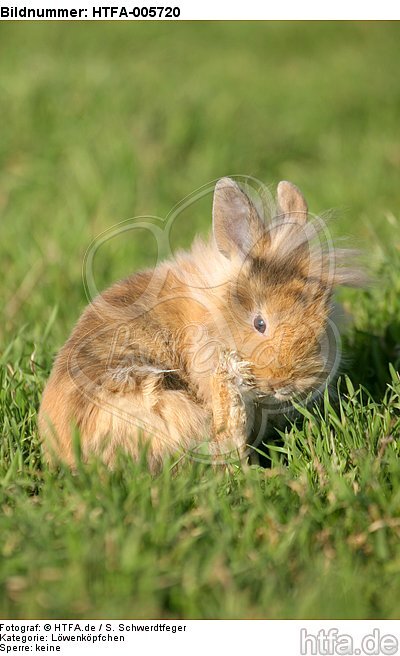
[(285, 246)]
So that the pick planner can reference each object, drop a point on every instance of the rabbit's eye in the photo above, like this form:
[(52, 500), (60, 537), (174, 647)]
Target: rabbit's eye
[(259, 324)]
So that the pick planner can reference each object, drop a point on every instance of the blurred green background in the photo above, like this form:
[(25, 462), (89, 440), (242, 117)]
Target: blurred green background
[(100, 122)]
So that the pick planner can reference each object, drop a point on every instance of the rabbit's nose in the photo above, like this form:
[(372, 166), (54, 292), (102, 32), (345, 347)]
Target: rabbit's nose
[(281, 389), (283, 393)]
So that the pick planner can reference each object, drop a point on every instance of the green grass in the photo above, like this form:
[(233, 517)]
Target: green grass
[(101, 122)]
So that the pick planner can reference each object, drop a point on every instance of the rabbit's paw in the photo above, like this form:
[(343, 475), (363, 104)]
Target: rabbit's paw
[(237, 372), (231, 380)]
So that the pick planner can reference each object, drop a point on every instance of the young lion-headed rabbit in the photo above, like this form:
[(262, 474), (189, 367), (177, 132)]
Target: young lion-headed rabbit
[(183, 355)]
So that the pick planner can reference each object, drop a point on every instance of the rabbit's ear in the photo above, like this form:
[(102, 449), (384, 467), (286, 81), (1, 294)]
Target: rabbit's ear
[(291, 203), (236, 224)]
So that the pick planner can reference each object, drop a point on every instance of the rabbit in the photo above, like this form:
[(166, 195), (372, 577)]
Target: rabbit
[(179, 359)]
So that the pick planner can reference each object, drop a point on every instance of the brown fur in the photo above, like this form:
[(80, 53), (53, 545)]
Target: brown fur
[(171, 357)]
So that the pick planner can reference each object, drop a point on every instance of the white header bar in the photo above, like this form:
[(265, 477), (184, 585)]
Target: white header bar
[(134, 10)]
